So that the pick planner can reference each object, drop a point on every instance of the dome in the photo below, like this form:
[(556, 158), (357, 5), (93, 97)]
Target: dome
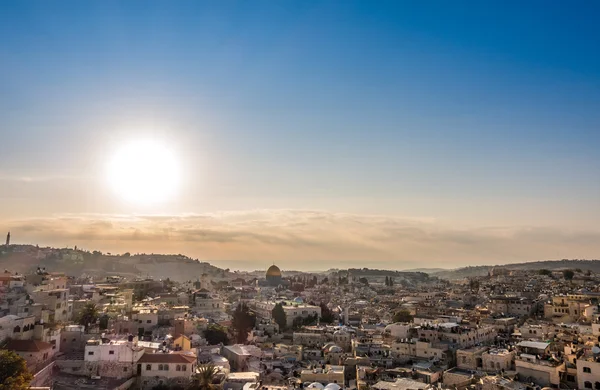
[(315, 385), (273, 271), (332, 386)]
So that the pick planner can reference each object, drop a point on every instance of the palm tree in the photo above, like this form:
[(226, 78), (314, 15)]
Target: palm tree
[(203, 379), (88, 315)]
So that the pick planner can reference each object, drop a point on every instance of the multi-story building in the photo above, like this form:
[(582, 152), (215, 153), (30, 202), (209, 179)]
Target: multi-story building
[(329, 374), (498, 359), (203, 301), (535, 362), (588, 372), (513, 306), (292, 309), (112, 358), (165, 369)]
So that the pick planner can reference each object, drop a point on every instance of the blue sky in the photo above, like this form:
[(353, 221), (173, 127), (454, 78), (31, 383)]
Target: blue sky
[(468, 113)]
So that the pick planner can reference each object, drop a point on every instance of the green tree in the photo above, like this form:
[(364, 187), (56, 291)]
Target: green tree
[(364, 281), (474, 286), (88, 315), (243, 321), (326, 314), (545, 272), (279, 316), (204, 378), (14, 374), (568, 274), (403, 316), (103, 323), (216, 334)]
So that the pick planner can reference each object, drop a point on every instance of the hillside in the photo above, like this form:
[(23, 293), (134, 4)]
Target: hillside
[(25, 258), (482, 270)]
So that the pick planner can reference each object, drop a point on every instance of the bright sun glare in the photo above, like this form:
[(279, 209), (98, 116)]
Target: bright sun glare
[(144, 172)]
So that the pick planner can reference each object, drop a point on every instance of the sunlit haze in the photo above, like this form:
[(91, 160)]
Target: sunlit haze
[(145, 172), (313, 134)]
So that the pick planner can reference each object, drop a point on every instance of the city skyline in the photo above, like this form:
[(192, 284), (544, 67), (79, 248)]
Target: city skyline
[(389, 133)]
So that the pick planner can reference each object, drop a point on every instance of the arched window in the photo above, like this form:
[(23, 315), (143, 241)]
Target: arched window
[(597, 385), (587, 384), (17, 329), (166, 367), (148, 367), (160, 367), (183, 367), (178, 368)]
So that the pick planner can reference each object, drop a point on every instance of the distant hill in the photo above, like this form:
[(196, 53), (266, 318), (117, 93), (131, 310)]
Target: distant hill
[(482, 270), (426, 270), (25, 258)]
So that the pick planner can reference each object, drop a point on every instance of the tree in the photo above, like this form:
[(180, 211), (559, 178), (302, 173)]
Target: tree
[(14, 374), (103, 323), (88, 315), (279, 316), (545, 272), (474, 286), (204, 378), (403, 316), (215, 334), (364, 281), (243, 321), (568, 274), (326, 314)]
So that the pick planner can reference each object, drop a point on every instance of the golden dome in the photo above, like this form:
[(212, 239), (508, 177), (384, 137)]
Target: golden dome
[(273, 271)]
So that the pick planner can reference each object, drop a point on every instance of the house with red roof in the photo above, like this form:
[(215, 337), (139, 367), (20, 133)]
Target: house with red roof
[(166, 368)]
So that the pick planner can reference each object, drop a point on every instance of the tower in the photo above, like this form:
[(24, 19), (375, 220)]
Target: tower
[(8, 239)]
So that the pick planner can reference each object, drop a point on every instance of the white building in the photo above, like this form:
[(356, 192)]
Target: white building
[(113, 359)]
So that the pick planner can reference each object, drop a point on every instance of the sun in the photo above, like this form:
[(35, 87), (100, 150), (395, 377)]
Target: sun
[(144, 172)]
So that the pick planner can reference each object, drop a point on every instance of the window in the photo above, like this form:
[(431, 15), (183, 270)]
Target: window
[(124, 369), (90, 352), (183, 367), (597, 385), (111, 352), (160, 367), (148, 367), (587, 370), (166, 367), (178, 368), (148, 321), (587, 385)]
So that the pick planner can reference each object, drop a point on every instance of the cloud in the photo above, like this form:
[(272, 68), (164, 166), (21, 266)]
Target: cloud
[(309, 238)]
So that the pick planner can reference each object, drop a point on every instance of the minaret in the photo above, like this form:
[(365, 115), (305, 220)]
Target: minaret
[(8, 239)]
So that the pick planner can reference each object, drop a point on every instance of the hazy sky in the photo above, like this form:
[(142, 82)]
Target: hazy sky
[(397, 133)]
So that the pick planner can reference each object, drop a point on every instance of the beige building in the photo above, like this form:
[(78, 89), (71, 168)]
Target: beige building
[(534, 361), (309, 339), (471, 358), (36, 353), (329, 374), (165, 368), (292, 309), (588, 373), (498, 359)]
